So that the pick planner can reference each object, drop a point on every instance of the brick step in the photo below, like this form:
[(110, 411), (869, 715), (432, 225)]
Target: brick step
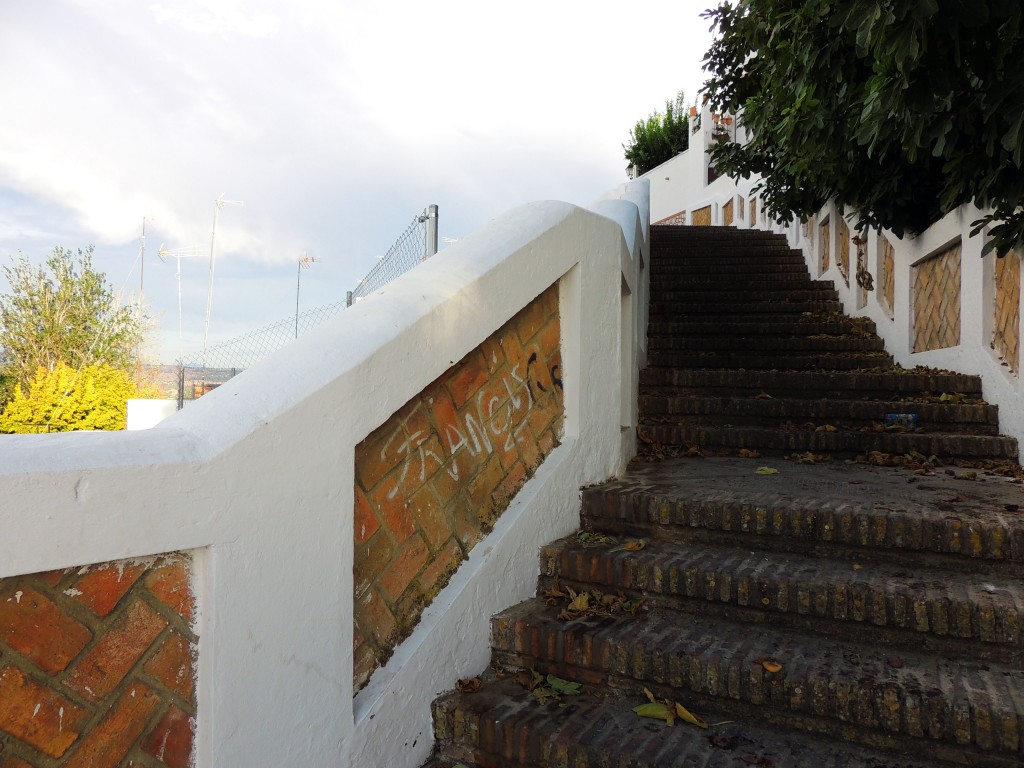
[(667, 232), (857, 512), (698, 281), (767, 325), (742, 295), (845, 414), (944, 445), (763, 341), (707, 259), (767, 270), (812, 384), (970, 713), (927, 609), (779, 360), (503, 726), (676, 310)]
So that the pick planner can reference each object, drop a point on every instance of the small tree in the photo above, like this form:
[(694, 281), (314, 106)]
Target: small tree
[(900, 110), (64, 312), (65, 399), (660, 137)]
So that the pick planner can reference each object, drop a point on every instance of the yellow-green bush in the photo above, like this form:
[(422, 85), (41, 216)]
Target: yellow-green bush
[(66, 400)]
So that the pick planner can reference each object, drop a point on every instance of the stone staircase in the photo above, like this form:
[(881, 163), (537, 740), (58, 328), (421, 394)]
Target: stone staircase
[(809, 611)]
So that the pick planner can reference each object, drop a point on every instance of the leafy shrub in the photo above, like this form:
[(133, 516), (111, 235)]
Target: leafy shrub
[(660, 137), (62, 400)]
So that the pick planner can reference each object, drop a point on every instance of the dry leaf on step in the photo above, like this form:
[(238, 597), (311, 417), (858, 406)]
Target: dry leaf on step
[(633, 545), (766, 471)]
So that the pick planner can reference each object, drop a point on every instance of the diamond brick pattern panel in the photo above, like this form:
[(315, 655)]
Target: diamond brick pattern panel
[(753, 210), (702, 217), (937, 301), (886, 276), (823, 254), (1006, 329), (431, 481), (843, 248), (675, 218), (727, 214), (97, 666), (862, 272)]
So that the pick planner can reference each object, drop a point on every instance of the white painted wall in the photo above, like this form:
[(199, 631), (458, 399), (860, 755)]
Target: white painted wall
[(144, 413), (256, 480), (679, 185)]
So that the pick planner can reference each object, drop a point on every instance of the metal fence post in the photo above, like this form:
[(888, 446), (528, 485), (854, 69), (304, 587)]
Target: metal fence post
[(348, 298), (430, 236)]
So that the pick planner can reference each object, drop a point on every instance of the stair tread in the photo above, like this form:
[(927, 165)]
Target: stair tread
[(948, 444), (521, 732), (943, 602), (864, 685), (854, 505)]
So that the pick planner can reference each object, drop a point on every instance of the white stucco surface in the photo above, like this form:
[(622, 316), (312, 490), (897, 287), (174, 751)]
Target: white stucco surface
[(256, 479)]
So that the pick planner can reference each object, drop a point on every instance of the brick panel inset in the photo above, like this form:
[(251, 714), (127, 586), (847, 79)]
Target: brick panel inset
[(702, 217), (93, 661), (937, 301), (1006, 329), (675, 219), (886, 276), (823, 255), (753, 211), (843, 248), (432, 480), (727, 213)]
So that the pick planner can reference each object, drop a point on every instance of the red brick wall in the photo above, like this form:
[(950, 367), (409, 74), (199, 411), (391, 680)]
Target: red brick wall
[(431, 481), (96, 666)]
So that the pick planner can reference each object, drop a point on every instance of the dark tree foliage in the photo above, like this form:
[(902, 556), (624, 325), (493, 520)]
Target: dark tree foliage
[(660, 137), (900, 110)]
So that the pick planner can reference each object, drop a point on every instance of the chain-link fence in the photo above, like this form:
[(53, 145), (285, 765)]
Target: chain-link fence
[(221, 362), (417, 243)]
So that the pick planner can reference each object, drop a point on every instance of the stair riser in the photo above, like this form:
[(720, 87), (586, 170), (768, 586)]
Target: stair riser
[(722, 670), (833, 600), (692, 309), (886, 533), (835, 443), (736, 296), (866, 384), (747, 328), (850, 361), (763, 342), (855, 413)]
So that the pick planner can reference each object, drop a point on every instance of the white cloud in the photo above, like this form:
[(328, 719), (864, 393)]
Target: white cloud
[(334, 122)]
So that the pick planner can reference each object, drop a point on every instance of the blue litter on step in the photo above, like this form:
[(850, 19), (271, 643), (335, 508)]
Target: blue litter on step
[(905, 420)]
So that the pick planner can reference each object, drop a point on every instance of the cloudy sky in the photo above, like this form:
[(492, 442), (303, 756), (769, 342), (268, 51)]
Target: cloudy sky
[(334, 122)]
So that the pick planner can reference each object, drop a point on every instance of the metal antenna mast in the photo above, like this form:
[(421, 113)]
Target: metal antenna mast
[(219, 203)]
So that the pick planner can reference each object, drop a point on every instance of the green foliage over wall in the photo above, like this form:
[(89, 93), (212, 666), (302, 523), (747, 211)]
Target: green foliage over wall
[(64, 312), (63, 400), (901, 110), (660, 137)]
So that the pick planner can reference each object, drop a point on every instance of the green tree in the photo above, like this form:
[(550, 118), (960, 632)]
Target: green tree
[(900, 110), (64, 399), (660, 137), (64, 312)]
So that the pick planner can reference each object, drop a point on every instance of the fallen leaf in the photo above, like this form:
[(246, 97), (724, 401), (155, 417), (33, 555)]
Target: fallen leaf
[(771, 666), (563, 686), (826, 428), (766, 471), (857, 566), (633, 545), (580, 602), (657, 711), (529, 679), (689, 717), (469, 684), (746, 453)]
